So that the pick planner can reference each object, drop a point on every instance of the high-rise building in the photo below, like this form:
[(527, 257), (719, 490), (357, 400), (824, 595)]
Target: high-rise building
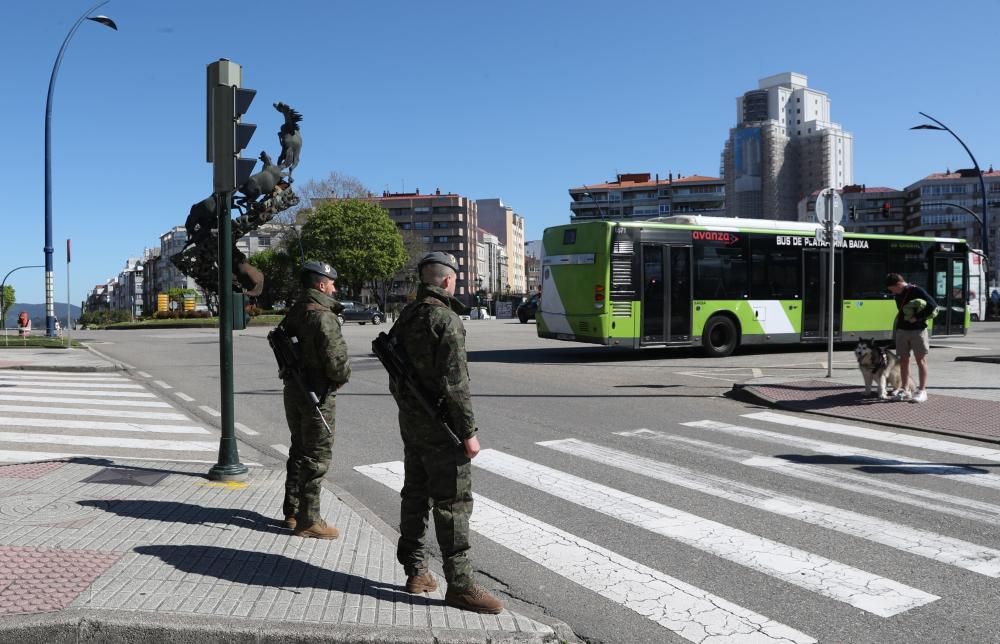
[(783, 148), (508, 226)]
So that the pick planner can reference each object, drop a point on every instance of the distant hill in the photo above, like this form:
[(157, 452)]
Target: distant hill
[(37, 314)]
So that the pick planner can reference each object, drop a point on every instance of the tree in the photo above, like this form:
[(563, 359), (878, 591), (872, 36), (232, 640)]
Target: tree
[(415, 248), (335, 186), (8, 301), (357, 238), (280, 269)]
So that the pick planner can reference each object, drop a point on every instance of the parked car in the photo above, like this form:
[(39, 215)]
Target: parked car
[(357, 312), (528, 308)]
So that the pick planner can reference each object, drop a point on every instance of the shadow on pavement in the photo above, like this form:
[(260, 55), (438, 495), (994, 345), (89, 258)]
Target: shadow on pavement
[(598, 354), (176, 512), (107, 462), (874, 465), (265, 569)]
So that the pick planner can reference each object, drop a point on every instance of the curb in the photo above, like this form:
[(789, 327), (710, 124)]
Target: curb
[(989, 359), (742, 392), (82, 626)]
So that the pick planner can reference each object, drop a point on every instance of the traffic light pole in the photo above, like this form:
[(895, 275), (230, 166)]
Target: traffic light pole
[(831, 300), (228, 468)]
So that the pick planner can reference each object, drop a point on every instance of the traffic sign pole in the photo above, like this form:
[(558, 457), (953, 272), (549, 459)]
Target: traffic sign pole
[(833, 283)]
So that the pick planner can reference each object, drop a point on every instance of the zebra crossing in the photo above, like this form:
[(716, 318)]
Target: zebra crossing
[(50, 415), (695, 614)]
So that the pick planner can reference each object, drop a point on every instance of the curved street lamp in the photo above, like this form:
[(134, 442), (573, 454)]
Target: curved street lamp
[(50, 309), (3, 303), (985, 221)]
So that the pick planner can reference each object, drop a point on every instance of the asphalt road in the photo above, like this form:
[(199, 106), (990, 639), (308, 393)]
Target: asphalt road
[(641, 508)]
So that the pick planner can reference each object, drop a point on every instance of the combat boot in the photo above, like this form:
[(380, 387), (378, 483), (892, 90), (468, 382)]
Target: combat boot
[(476, 599), (424, 583), (318, 530), (290, 522)]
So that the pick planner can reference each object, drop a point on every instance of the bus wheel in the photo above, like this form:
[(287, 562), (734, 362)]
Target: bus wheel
[(719, 337)]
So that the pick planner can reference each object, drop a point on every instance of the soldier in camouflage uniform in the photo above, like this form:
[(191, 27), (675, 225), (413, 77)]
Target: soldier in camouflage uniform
[(437, 474), (325, 365)]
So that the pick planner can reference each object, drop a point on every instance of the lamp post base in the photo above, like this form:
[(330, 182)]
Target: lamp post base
[(233, 472)]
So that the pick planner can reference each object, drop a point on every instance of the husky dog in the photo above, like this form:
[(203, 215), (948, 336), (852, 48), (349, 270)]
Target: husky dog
[(878, 364)]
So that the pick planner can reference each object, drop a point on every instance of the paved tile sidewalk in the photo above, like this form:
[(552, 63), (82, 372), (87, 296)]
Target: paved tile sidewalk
[(188, 548), (961, 416)]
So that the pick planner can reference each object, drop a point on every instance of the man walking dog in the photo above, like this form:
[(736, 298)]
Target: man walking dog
[(915, 307)]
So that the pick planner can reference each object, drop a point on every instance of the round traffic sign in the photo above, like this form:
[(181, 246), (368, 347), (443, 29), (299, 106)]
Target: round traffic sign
[(829, 205)]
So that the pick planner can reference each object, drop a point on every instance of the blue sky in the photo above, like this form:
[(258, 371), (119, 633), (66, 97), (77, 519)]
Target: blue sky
[(519, 100)]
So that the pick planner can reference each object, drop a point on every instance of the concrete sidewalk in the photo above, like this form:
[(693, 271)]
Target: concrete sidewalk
[(963, 398), (100, 550)]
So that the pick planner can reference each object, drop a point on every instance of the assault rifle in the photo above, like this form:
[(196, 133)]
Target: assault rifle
[(392, 357), (286, 352)]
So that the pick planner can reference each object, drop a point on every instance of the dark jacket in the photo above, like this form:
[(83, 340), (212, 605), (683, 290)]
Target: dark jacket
[(313, 320), (910, 293), (431, 332)]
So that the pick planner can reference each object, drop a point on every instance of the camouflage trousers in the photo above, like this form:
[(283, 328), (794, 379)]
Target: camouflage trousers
[(439, 480), (309, 455)]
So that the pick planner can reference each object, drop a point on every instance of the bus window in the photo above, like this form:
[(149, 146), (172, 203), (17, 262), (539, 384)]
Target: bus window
[(775, 271), (721, 271), (865, 277), (909, 260)]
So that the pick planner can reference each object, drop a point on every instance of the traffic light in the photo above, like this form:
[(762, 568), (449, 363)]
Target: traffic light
[(885, 210), (228, 135), (854, 213)]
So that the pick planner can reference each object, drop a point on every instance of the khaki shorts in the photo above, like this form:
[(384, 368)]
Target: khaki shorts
[(912, 340)]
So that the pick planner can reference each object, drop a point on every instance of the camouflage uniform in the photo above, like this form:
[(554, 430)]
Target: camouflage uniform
[(433, 337), (313, 320)]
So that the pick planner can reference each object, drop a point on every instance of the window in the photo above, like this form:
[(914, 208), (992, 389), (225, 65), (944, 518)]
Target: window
[(442, 239), (720, 270), (907, 259), (569, 236), (422, 225), (264, 240), (422, 209), (865, 279), (775, 271)]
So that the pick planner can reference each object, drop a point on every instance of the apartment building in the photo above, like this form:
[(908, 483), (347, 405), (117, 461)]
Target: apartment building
[(491, 266), (446, 222), (640, 196), (508, 226)]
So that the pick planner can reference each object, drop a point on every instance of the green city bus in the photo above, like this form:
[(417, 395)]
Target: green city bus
[(719, 282)]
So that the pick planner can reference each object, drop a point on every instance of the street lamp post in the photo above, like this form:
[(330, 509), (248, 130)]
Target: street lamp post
[(3, 302), (50, 308), (985, 221)]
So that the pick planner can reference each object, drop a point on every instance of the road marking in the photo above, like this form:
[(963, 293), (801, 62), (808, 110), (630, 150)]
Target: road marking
[(246, 430), (92, 424), (144, 374), (183, 396), (857, 455), (926, 499), (82, 392), (12, 456), (283, 449), (757, 373), (49, 377), (107, 441), (949, 346), (84, 401), (55, 385), (838, 581), (161, 384), (935, 444), (79, 411), (208, 410), (948, 550), (681, 608)]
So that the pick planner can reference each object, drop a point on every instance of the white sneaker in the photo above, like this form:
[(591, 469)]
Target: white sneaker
[(920, 396)]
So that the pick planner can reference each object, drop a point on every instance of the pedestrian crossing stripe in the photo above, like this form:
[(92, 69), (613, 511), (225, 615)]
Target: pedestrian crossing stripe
[(81, 411), (13, 421), (62, 391), (869, 592), (107, 441), (922, 442), (917, 497), (959, 473), (49, 375), (83, 401), (690, 612), (34, 382), (915, 541)]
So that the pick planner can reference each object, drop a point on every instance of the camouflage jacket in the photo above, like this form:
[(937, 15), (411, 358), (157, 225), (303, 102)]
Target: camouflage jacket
[(313, 320), (431, 332)]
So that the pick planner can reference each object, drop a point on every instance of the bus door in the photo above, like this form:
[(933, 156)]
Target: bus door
[(816, 293), (949, 287), (666, 294)]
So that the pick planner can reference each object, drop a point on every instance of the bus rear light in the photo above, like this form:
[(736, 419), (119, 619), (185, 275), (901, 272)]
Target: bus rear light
[(598, 292)]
